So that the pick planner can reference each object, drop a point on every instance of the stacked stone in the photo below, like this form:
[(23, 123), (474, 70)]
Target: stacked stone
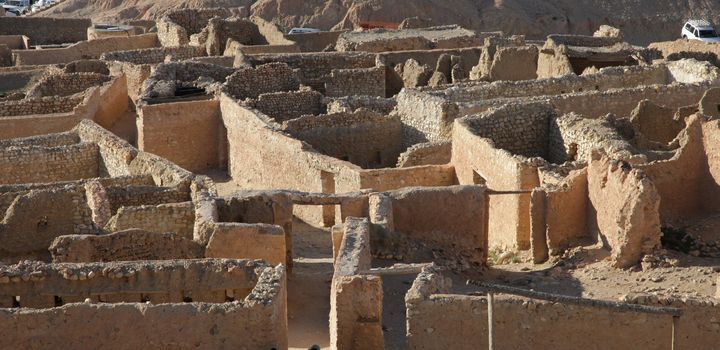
[(288, 105), (252, 82), (358, 81)]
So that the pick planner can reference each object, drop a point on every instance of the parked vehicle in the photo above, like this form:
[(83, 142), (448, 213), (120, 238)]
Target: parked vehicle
[(303, 30), (18, 7), (11, 12), (698, 29)]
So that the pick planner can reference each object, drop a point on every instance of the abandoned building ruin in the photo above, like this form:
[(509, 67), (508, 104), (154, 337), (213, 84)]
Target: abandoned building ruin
[(206, 181)]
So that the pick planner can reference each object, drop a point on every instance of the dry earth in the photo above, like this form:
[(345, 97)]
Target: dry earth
[(642, 21)]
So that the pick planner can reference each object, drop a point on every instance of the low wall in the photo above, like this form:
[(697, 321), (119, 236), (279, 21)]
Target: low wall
[(355, 299), (46, 31), (257, 319), (315, 42), (247, 241), (178, 218), (84, 50), (104, 104), (438, 319), (127, 245)]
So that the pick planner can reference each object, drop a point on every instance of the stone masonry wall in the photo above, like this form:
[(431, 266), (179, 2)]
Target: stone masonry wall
[(48, 164), (127, 245), (42, 105), (66, 84), (252, 82), (364, 138), (359, 81), (178, 218), (46, 31), (284, 106)]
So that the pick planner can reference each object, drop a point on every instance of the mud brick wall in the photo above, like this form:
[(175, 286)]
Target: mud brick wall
[(364, 138), (283, 106), (130, 196), (178, 218), (45, 31), (128, 245), (176, 27), (359, 81), (266, 78), (48, 164), (156, 281), (35, 218)]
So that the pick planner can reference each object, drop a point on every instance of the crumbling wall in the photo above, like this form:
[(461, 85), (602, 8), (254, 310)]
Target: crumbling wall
[(177, 27), (627, 208), (266, 78), (573, 138), (178, 218), (83, 50), (393, 178), (48, 164), (439, 319), (315, 42), (451, 219), (126, 245), (656, 122), (247, 241), (512, 63), (186, 133), (478, 161), (46, 31), (426, 154), (711, 189), (315, 68), (355, 299), (364, 138), (66, 84), (566, 212), (358, 81), (283, 106), (40, 105), (34, 219)]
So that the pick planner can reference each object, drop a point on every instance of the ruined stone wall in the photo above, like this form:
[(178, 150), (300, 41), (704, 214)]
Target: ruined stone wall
[(452, 218), (48, 164), (248, 241), (177, 27), (84, 50), (261, 157), (104, 104), (35, 218), (477, 161), (438, 319), (257, 320), (127, 245), (40, 105), (430, 153), (186, 133), (352, 103), (178, 218), (266, 78), (283, 106), (66, 84), (315, 68), (315, 42), (360, 81), (519, 129), (133, 196), (566, 212), (364, 138), (355, 299), (425, 118), (679, 180), (573, 138), (153, 55), (711, 191), (393, 178), (627, 209), (46, 31)]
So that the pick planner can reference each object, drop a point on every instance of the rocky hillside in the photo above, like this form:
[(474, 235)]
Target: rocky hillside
[(642, 21)]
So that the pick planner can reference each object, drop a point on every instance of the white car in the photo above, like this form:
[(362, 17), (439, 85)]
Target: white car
[(303, 30), (18, 7), (700, 30)]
